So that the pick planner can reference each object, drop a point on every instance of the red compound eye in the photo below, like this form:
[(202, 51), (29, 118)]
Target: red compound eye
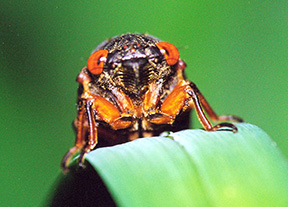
[(169, 51), (96, 61)]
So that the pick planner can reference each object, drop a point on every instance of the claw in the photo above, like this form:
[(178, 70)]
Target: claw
[(233, 128), (66, 159), (81, 160)]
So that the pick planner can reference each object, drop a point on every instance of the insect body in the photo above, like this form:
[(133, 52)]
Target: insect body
[(134, 86)]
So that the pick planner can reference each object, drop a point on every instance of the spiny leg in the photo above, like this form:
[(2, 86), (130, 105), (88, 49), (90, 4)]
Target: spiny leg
[(210, 111), (105, 111), (92, 137), (198, 101), (175, 102), (80, 139)]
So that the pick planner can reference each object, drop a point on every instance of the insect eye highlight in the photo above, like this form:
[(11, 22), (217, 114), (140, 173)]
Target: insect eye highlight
[(96, 61), (169, 51)]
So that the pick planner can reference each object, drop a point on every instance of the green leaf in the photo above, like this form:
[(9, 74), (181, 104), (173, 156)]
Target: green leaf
[(195, 168)]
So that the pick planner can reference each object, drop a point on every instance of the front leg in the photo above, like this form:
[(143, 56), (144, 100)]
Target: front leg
[(150, 106), (81, 127), (92, 133), (93, 106), (198, 101), (184, 97)]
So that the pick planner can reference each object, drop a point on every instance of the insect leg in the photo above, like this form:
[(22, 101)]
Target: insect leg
[(210, 112), (199, 101), (80, 139), (92, 137)]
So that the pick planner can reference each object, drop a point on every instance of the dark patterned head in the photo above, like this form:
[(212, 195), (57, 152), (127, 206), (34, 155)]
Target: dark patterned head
[(133, 61)]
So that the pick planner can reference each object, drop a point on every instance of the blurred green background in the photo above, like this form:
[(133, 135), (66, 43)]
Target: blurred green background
[(236, 52)]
